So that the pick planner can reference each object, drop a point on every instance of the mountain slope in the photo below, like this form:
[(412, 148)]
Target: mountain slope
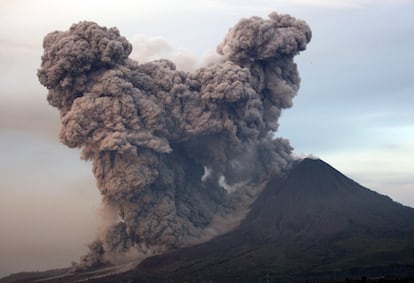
[(311, 224), (316, 200)]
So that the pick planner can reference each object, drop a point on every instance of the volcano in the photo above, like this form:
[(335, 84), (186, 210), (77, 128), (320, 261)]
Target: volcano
[(312, 224)]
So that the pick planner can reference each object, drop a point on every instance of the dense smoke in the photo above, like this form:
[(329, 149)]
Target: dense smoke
[(178, 156)]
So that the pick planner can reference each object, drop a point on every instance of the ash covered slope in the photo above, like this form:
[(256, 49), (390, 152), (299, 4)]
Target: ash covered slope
[(308, 225)]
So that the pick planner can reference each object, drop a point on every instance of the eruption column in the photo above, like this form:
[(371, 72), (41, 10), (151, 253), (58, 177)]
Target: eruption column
[(153, 132)]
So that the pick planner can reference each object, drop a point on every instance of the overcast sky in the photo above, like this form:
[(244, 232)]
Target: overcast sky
[(354, 109)]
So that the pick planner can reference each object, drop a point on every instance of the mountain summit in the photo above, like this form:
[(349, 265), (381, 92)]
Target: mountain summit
[(314, 223), (317, 201), (311, 224)]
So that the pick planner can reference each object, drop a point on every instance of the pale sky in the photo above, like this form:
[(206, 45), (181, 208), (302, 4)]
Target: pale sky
[(354, 109)]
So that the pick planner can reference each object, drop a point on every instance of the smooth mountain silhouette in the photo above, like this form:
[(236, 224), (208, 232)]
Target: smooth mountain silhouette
[(314, 224)]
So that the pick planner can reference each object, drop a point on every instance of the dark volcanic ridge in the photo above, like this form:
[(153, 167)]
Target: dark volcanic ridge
[(312, 224)]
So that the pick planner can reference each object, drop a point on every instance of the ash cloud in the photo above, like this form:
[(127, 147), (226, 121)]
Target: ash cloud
[(152, 131)]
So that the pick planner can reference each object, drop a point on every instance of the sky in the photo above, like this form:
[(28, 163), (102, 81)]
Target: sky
[(354, 108)]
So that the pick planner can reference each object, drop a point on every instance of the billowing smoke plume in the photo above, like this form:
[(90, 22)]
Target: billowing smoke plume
[(178, 156)]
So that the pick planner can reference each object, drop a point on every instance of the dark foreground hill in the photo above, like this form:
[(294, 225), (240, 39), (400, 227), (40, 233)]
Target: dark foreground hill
[(315, 224)]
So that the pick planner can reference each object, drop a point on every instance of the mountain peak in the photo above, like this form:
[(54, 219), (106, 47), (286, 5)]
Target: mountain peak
[(314, 176), (316, 201), (316, 165)]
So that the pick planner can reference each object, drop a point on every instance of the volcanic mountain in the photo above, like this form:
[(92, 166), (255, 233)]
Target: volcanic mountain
[(314, 223)]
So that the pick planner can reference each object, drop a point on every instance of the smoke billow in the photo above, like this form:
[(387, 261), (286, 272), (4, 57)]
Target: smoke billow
[(178, 156)]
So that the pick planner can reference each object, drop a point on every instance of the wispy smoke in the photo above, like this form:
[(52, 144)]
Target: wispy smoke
[(179, 156), (147, 49)]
